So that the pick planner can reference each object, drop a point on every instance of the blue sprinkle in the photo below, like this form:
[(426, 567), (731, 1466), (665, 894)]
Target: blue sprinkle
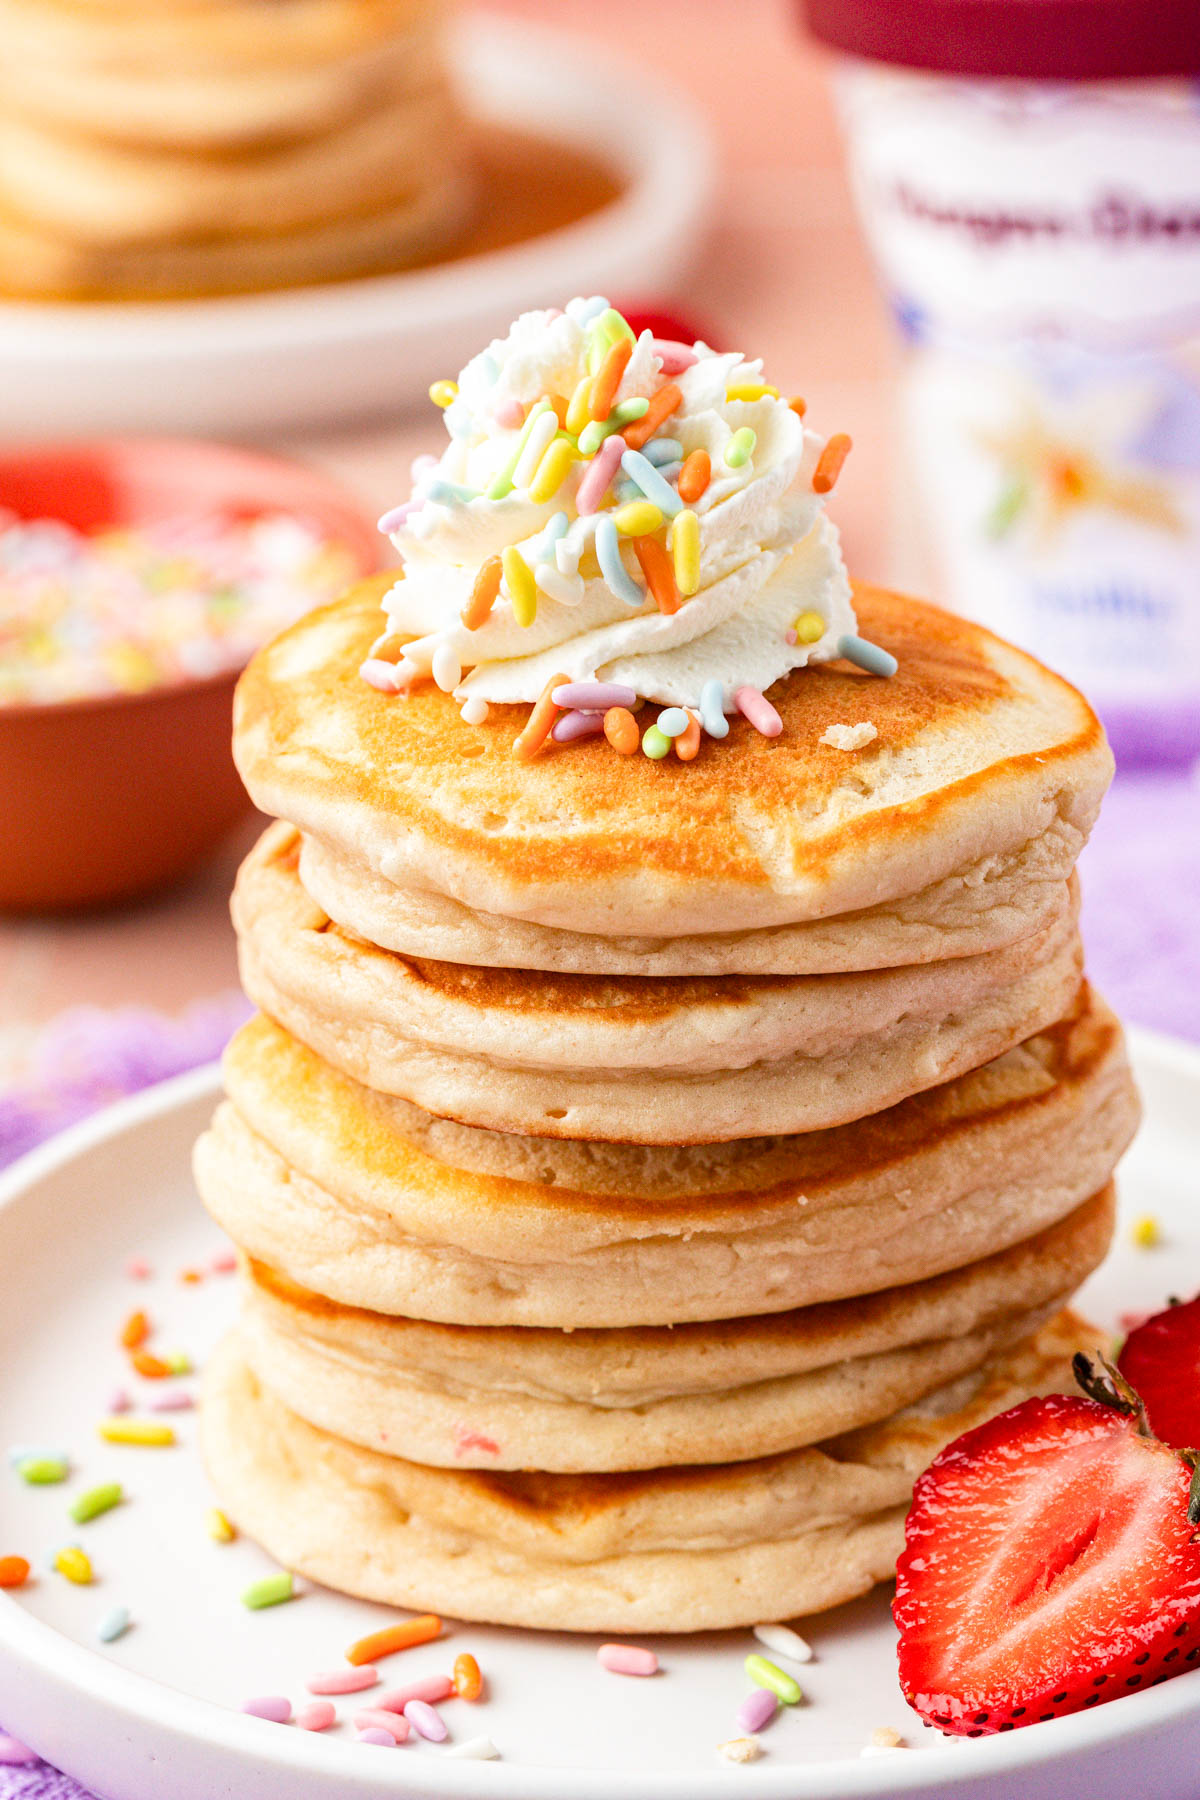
[(608, 554), (19, 1453), (663, 450), (489, 365), (449, 493), (868, 656), (113, 1625), (712, 709), (674, 722), (591, 309), (627, 490), (651, 483), (555, 528)]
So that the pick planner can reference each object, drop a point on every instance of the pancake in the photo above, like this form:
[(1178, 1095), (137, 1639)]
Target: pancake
[(980, 751), (479, 1397), (651, 1059), (366, 1199), (665, 1550)]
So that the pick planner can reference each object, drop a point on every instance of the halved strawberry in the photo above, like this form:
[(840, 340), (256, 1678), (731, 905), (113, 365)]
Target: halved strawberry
[(1161, 1359), (1048, 1565)]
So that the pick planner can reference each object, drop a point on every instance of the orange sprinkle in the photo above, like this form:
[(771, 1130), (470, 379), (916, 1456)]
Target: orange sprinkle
[(483, 594), (694, 476), (608, 378), (662, 405), (687, 744), (559, 404), (829, 463), (540, 720), (191, 1277), (152, 1367), (14, 1572), (621, 730), (659, 571), (799, 405), (135, 1331), (468, 1682), (410, 1631)]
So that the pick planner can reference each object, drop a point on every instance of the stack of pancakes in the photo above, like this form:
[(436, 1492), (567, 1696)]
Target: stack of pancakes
[(207, 146), (642, 1170)]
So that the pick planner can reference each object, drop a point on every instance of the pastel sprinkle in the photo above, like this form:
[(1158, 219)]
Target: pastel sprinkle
[(275, 1708), (444, 393), (114, 1624), (798, 404), (483, 593), (375, 1736), (502, 482), (143, 1432), (621, 730), (627, 1659), (384, 677), (751, 390), (431, 1688), (509, 413), (757, 1709), (685, 549), (694, 476), (659, 569), (541, 436), (14, 1571), (174, 1400), (148, 1366), (479, 1749), (20, 1453), (219, 1526), (522, 588), (809, 627), (755, 707), (830, 461), (674, 356), (579, 406), (14, 1753), (343, 1681), (784, 1642), (740, 1749), (76, 1565), (97, 1500), (687, 744), (426, 1720), (607, 379), (865, 655), (474, 711), (638, 518), (741, 447), (606, 329), (768, 1675), (137, 1268), (596, 434), (43, 1471), (468, 1680), (119, 1401), (662, 404), (712, 708), (599, 474), (447, 670), (449, 493), (372, 1719), (673, 722), (593, 696), (318, 1715), (608, 554), (654, 744), (135, 1331), (269, 1590), (552, 471), (660, 451), (572, 726), (1145, 1232), (642, 471), (626, 411), (537, 726), (408, 1632), (396, 516), (225, 1262)]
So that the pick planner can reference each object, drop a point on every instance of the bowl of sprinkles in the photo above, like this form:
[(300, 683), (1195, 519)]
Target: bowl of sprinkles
[(625, 534), (136, 580)]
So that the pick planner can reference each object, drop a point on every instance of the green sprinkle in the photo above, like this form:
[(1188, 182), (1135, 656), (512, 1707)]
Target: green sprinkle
[(605, 330), (626, 411), (655, 743), (180, 1363), (97, 1500), (43, 1471), (765, 1674), (270, 1591), (740, 447), (502, 483), (594, 434)]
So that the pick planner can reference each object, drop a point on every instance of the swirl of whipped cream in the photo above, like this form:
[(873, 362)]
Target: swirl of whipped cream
[(767, 554)]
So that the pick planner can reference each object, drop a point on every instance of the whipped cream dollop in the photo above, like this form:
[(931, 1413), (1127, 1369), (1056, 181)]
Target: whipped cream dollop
[(767, 555)]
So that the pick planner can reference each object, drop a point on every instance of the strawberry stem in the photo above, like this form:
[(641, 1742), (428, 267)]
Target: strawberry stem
[(1107, 1385)]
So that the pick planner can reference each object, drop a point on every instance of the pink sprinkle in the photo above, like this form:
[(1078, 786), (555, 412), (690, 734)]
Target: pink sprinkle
[(385, 676), (273, 1707), (467, 1438), (574, 725), (554, 312), (674, 356), (593, 696), (224, 1262), (758, 709), (372, 1736), (599, 474), (789, 637), (343, 1681), (393, 520), (627, 1659), (757, 1710), (319, 1715), (432, 1688), (175, 1400), (374, 1719), (13, 1751), (138, 1269), (510, 413), (119, 1401), (422, 1717)]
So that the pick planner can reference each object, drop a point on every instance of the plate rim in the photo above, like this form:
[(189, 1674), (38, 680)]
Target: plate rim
[(57, 1660)]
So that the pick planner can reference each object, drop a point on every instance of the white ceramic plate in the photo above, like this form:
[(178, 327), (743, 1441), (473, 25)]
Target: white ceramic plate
[(155, 1713), (323, 355)]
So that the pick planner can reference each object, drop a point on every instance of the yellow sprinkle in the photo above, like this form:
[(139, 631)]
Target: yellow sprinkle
[(809, 627), (75, 1564), (1144, 1232), (685, 547), (579, 406), (136, 1431), (551, 471), (219, 1527), (522, 588), (444, 393), (751, 390), (638, 518)]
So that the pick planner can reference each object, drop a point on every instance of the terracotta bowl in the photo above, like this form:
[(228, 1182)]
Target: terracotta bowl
[(105, 799)]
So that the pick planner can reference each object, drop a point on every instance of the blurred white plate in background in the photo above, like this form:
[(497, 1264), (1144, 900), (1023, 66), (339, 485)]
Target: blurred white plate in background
[(327, 355)]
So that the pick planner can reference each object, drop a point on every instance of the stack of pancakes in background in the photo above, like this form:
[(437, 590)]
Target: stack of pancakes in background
[(208, 146), (642, 1170)]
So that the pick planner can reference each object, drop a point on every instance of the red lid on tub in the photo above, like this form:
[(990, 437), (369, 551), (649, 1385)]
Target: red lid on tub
[(1050, 40)]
